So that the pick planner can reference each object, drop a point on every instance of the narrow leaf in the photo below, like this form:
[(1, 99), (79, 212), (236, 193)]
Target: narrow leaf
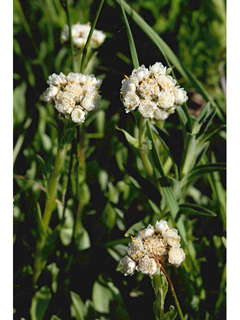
[(189, 155), (198, 171), (131, 140), (165, 186), (193, 209), (130, 40)]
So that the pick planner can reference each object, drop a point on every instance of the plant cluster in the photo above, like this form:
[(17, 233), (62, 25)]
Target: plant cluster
[(119, 169)]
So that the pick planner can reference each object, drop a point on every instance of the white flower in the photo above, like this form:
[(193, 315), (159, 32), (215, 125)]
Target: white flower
[(147, 108), (74, 95), (147, 265), (90, 102), (161, 226), (172, 238), (152, 247), (128, 265), (166, 99), (152, 92), (78, 115), (160, 114), (158, 69), (176, 256), (146, 233), (80, 34), (180, 95), (131, 102)]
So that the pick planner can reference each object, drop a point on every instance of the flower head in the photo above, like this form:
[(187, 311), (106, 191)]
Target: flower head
[(152, 92), (74, 95), (153, 246), (80, 33)]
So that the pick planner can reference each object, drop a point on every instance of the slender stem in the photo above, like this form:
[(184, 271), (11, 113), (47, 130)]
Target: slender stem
[(173, 293), (53, 182), (81, 179), (83, 63), (141, 136), (70, 35), (66, 139)]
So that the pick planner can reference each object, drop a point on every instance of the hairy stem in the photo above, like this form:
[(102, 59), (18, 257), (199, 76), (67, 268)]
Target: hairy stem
[(39, 262), (173, 293), (141, 139)]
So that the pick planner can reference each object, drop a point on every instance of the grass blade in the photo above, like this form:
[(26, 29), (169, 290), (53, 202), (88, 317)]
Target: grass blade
[(84, 54), (130, 40)]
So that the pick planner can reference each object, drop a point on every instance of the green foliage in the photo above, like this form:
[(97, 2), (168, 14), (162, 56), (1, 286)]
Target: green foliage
[(113, 184)]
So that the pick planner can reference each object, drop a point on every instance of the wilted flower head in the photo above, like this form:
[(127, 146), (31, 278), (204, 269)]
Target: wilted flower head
[(74, 95), (153, 246), (80, 33), (152, 92)]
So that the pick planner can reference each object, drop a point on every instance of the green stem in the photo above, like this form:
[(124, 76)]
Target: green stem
[(66, 139), (141, 139), (70, 35), (52, 186), (84, 56), (160, 292), (174, 294), (81, 180)]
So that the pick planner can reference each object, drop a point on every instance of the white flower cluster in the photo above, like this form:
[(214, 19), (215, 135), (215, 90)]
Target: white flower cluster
[(80, 33), (153, 246), (74, 95), (152, 91)]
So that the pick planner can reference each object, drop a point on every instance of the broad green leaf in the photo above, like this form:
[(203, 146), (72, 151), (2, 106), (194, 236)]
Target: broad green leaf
[(19, 102), (79, 307), (40, 303), (109, 216), (82, 239), (130, 40), (193, 209), (101, 297)]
